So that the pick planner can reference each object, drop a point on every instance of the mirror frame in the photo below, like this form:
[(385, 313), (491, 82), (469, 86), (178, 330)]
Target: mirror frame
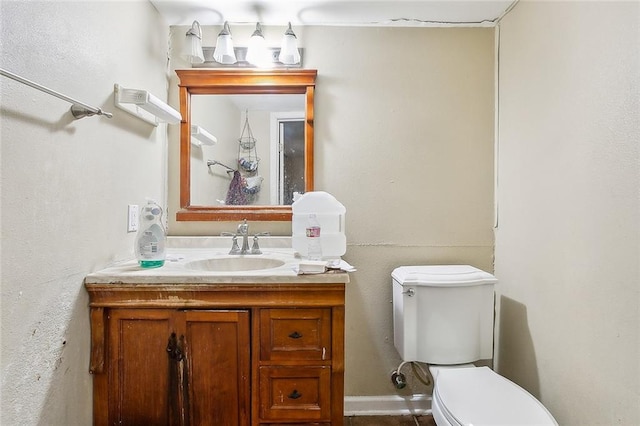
[(227, 82)]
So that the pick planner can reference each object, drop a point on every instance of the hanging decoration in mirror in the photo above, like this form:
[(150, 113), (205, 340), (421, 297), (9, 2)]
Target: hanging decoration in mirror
[(246, 182)]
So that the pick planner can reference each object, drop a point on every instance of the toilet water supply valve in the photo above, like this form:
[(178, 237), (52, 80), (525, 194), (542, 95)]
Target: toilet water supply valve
[(399, 380)]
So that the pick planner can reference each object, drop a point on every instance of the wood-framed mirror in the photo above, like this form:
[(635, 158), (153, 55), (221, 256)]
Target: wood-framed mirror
[(235, 197)]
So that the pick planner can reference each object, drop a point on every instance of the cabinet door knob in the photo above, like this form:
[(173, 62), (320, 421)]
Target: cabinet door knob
[(295, 394), (295, 335)]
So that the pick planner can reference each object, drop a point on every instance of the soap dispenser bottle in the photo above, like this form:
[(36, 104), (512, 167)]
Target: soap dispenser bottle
[(150, 240)]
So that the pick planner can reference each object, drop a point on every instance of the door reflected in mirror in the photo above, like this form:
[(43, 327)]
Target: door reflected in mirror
[(258, 157), (259, 152)]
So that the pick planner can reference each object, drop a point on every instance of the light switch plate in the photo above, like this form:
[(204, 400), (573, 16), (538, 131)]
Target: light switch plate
[(132, 221)]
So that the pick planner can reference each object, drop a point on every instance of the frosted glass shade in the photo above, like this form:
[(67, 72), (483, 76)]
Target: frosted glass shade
[(224, 53), (192, 50), (257, 52), (289, 54)]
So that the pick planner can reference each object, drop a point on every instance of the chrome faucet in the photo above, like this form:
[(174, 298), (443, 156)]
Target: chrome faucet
[(243, 231)]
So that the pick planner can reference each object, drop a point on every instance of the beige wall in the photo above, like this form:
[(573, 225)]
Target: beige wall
[(66, 185), (406, 144), (567, 245)]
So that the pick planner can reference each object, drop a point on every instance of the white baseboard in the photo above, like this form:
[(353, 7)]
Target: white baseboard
[(387, 405)]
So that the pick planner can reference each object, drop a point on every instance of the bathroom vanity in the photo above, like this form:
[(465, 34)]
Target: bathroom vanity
[(181, 346)]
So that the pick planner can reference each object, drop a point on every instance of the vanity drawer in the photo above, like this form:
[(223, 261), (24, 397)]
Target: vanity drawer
[(295, 393), (295, 334)]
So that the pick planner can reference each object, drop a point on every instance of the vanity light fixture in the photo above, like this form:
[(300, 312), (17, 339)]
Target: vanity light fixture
[(145, 106), (200, 136), (192, 51), (289, 54), (225, 55), (257, 52), (224, 52)]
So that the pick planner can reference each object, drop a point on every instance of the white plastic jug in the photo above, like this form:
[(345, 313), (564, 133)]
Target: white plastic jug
[(330, 213)]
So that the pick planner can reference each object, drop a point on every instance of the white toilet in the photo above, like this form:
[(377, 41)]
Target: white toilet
[(443, 316)]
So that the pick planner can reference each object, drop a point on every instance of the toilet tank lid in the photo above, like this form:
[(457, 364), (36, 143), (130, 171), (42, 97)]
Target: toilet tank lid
[(442, 276)]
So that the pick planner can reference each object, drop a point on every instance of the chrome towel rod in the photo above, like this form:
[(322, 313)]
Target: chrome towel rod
[(78, 109), (214, 162)]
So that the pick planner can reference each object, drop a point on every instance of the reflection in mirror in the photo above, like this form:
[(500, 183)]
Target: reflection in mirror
[(262, 122), (259, 155)]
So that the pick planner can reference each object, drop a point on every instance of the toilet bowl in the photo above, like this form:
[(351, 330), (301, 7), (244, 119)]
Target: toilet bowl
[(443, 315), (479, 396)]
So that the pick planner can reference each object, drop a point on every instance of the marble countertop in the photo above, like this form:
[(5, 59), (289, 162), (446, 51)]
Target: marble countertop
[(182, 251)]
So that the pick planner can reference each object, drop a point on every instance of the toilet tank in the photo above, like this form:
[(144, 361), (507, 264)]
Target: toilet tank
[(443, 314)]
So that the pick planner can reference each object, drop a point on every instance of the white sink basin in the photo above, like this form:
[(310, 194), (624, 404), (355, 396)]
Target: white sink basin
[(243, 263)]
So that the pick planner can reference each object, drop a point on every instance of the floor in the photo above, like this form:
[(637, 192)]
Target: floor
[(389, 421)]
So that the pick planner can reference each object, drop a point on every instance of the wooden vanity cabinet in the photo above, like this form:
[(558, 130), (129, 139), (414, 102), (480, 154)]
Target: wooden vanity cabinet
[(217, 355)]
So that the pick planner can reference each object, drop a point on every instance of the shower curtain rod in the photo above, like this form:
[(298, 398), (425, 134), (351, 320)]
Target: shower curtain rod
[(78, 109)]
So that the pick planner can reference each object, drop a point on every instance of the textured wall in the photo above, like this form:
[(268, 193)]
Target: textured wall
[(66, 185), (405, 142), (567, 244)]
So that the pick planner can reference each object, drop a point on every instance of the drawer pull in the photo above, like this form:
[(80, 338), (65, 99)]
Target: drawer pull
[(295, 394), (295, 335)]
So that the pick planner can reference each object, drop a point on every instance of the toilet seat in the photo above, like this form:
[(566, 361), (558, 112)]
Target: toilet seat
[(479, 396)]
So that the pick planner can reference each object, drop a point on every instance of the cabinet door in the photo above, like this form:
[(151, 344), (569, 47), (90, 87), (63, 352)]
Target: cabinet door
[(170, 367), (138, 366), (218, 360)]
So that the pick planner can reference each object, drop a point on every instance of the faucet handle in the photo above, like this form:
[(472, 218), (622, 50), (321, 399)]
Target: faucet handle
[(234, 242), (255, 249), (234, 245)]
